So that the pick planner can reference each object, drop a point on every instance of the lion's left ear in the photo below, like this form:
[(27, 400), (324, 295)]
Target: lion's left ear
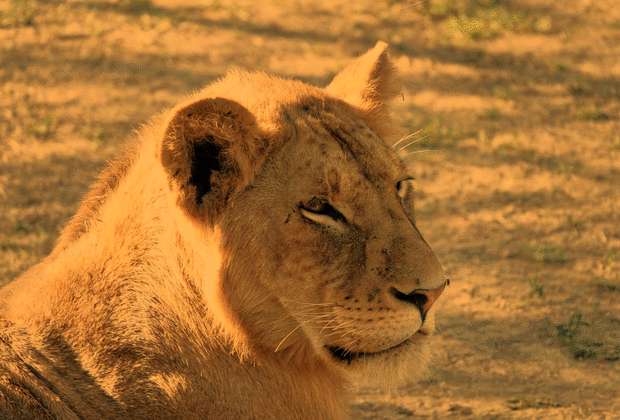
[(368, 83)]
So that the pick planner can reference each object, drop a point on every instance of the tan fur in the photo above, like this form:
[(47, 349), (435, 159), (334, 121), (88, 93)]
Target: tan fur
[(252, 256)]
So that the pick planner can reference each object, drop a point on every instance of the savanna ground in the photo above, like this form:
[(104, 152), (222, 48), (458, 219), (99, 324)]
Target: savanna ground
[(515, 106)]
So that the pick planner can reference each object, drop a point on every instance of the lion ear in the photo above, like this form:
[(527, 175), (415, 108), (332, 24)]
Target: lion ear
[(368, 83), (209, 148)]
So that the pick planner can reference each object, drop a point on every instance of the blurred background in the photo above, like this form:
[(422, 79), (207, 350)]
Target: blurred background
[(514, 107)]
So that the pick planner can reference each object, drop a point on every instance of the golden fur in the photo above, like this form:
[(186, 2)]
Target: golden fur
[(250, 257)]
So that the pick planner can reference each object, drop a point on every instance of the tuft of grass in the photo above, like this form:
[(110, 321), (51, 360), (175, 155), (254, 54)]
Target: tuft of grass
[(536, 289), (480, 19), (44, 128), (493, 113), (43, 237), (21, 226), (548, 254), (589, 115), (20, 13), (563, 167), (570, 329), (97, 135), (576, 224), (501, 92), (7, 244), (605, 285), (584, 349), (558, 65), (441, 9), (568, 332), (612, 256), (580, 88), (99, 31)]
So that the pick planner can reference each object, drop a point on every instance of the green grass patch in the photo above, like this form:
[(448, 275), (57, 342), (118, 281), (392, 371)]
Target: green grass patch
[(19, 13), (610, 262), (563, 167), (97, 135), (535, 288), (605, 285), (43, 128), (583, 348), (592, 115), (7, 244), (558, 65), (580, 87), (484, 19), (612, 257), (99, 31), (493, 113), (21, 227), (575, 224), (441, 9), (490, 23), (43, 237), (548, 254), (501, 92)]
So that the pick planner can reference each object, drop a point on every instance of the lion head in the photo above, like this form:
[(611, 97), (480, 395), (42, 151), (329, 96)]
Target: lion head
[(320, 258)]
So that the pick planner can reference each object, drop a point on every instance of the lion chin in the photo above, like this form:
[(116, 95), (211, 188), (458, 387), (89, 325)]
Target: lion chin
[(387, 369), (252, 254), (391, 367)]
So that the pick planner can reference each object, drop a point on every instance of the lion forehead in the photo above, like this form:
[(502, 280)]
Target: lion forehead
[(336, 143)]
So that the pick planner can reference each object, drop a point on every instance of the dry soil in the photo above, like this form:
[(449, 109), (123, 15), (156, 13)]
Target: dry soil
[(515, 106)]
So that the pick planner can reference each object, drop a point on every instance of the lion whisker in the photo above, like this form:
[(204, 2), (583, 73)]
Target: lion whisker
[(326, 325), (287, 336), (314, 304), (412, 142), (292, 331), (407, 137)]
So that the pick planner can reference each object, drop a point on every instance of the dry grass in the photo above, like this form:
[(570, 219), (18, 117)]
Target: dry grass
[(518, 104)]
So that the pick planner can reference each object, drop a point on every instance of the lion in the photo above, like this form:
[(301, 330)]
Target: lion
[(252, 255)]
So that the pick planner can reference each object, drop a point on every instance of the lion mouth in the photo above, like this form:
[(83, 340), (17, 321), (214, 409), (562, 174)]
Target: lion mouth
[(343, 355)]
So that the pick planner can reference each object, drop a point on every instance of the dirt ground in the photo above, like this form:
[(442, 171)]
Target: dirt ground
[(515, 106)]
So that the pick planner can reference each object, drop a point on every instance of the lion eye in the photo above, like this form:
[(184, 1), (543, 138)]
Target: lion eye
[(316, 208), (403, 187)]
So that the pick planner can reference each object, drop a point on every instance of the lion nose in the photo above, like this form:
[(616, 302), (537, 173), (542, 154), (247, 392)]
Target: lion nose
[(423, 299)]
